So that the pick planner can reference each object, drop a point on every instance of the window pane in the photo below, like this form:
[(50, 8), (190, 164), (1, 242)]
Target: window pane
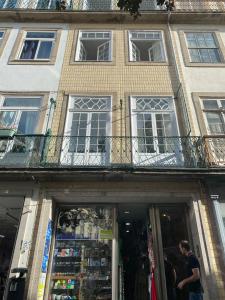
[(215, 123), (195, 56), (7, 118), (28, 122), (214, 55), (223, 103), (1, 34), (200, 40), (44, 50), (210, 104), (24, 102), (204, 55), (209, 39), (191, 40), (29, 49), (40, 35)]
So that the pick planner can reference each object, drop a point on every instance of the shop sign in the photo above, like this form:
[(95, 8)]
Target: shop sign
[(41, 286), (42, 279)]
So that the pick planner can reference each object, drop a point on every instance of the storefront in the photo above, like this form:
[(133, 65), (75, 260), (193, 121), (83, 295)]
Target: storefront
[(117, 251), (10, 214)]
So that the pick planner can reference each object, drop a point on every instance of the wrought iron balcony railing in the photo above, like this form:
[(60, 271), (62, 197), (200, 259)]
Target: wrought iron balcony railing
[(109, 5), (38, 151)]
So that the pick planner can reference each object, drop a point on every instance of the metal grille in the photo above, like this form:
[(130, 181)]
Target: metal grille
[(106, 5), (117, 152)]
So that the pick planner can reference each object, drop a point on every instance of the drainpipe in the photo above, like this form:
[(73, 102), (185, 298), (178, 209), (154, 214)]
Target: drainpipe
[(48, 131), (177, 72)]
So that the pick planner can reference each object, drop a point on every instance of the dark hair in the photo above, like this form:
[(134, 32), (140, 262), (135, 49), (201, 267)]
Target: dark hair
[(185, 244)]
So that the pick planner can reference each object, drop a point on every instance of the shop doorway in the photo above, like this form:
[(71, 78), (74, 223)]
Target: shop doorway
[(134, 264), (10, 212), (149, 258)]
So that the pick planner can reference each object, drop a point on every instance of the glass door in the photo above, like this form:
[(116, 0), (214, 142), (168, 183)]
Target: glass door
[(87, 133), (169, 227), (154, 132)]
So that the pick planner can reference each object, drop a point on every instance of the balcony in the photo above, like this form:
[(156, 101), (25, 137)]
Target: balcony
[(110, 5), (38, 151)]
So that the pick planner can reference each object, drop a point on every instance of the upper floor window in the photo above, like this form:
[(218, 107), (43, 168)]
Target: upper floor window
[(1, 36), (20, 113), (214, 111), (8, 4), (37, 45), (97, 5), (203, 47), (146, 46), (94, 46)]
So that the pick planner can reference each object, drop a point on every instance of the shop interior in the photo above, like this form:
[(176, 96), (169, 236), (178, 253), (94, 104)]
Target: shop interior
[(137, 257), (10, 211), (134, 265)]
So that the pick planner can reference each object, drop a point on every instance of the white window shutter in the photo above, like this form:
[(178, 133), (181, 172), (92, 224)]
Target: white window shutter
[(103, 52), (156, 52), (135, 53)]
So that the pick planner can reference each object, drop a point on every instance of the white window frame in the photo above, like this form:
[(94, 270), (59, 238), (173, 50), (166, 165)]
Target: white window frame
[(20, 109), (104, 40), (146, 158), (161, 42), (38, 47), (217, 47), (220, 111), (85, 158)]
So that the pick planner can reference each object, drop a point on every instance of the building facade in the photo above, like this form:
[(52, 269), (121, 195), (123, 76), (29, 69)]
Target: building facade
[(111, 147)]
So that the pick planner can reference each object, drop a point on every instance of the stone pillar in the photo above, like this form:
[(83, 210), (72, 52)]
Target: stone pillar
[(36, 257), (25, 232)]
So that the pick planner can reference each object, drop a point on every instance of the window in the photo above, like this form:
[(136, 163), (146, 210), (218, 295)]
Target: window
[(21, 113), (8, 4), (146, 46), (153, 118), (96, 5), (203, 47), (214, 111), (154, 130), (94, 46), (46, 4), (2, 33), (87, 129), (37, 45)]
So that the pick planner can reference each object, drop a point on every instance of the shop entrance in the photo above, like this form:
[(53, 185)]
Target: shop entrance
[(10, 211), (134, 264), (149, 258)]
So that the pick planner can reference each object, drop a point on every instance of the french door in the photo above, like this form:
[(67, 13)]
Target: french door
[(155, 138), (87, 133)]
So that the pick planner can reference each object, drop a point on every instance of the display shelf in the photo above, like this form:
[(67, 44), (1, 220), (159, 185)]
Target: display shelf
[(84, 249), (75, 277)]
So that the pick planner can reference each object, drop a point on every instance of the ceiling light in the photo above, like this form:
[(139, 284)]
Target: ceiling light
[(127, 224), (164, 215), (127, 230), (126, 212), (2, 236)]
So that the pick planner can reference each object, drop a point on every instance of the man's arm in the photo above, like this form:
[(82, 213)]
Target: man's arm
[(195, 276)]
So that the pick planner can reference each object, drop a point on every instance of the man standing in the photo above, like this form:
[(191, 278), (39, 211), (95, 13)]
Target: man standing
[(193, 273)]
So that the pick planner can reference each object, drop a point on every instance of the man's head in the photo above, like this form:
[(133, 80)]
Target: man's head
[(184, 247)]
